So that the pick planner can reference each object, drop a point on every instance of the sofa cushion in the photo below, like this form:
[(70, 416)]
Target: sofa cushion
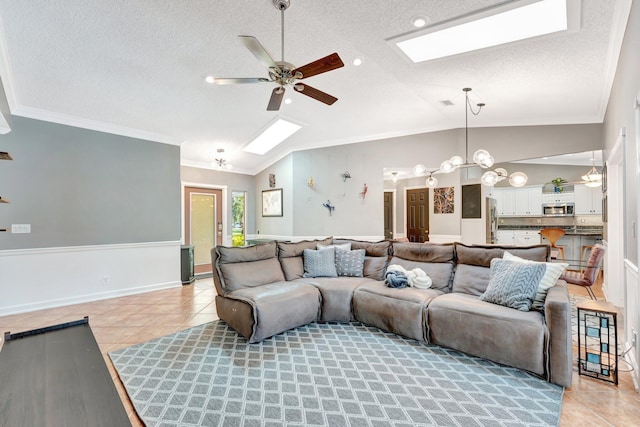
[(401, 311), (436, 260), (513, 284), (552, 273), (241, 267), (350, 263), (376, 256), (320, 263), (511, 337), (267, 316), (290, 256), (337, 296), (473, 262)]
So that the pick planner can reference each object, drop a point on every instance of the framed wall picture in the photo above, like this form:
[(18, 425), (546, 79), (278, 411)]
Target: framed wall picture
[(272, 202), (443, 200)]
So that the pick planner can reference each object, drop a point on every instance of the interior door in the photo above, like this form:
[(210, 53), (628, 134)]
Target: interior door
[(418, 215), (388, 215), (203, 224)]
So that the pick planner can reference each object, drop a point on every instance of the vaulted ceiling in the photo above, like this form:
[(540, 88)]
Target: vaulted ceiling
[(137, 68)]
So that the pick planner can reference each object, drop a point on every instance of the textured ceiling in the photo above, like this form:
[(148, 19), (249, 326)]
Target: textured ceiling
[(136, 67)]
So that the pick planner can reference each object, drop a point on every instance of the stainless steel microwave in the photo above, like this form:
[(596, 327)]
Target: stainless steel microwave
[(558, 209)]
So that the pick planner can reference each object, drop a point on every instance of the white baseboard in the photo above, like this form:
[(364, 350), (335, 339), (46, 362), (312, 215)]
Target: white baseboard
[(35, 279), (444, 238), (632, 320)]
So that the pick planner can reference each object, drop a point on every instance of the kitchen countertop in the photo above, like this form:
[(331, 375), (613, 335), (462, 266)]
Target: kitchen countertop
[(571, 231)]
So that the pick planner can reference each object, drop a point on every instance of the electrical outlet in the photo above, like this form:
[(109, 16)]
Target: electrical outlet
[(21, 228)]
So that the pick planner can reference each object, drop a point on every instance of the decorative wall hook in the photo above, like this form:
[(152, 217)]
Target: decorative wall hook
[(363, 194), (329, 207), (345, 176)]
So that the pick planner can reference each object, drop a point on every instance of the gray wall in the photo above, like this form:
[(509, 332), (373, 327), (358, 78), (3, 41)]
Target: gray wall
[(81, 187), (276, 226), (234, 182), (620, 114), (365, 161)]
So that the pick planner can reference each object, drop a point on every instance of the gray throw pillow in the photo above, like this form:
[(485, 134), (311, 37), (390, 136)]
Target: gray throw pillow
[(513, 284), (320, 263), (350, 263)]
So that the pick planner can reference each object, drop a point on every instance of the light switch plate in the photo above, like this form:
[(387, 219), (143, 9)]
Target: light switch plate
[(20, 228)]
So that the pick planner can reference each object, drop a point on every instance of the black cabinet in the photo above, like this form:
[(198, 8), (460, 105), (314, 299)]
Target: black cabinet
[(186, 265)]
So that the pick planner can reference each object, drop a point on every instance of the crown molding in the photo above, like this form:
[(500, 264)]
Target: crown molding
[(618, 28), (79, 122)]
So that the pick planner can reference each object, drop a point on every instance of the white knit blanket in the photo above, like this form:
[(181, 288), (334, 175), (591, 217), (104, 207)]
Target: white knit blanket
[(417, 278)]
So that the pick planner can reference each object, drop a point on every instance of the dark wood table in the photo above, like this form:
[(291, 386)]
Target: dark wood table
[(57, 376)]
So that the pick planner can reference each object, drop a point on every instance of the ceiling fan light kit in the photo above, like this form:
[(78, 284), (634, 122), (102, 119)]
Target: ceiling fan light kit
[(481, 158), (283, 73)]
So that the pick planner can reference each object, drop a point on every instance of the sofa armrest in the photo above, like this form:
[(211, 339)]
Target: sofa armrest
[(557, 310)]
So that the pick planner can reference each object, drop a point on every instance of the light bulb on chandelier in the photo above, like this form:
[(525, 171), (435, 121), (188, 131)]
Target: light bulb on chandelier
[(481, 158), (431, 181)]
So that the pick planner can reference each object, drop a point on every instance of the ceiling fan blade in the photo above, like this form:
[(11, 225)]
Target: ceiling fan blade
[(258, 51), (236, 81), (320, 66), (315, 93), (276, 99)]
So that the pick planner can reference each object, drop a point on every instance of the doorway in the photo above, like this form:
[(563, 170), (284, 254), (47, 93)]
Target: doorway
[(238, 208), (203, 224), (388, 215), (418, 215)]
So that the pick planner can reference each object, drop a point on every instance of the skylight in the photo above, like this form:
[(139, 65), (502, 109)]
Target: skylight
[(481, 30), (277, 132)]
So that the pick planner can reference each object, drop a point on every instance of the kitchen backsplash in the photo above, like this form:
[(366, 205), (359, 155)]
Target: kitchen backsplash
[(594, 221)]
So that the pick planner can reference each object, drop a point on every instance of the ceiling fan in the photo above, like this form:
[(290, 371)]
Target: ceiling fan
[(283, 73)]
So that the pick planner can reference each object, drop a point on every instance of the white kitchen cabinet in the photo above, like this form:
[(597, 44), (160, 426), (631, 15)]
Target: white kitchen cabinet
[(564, 197), (526, 237), (588, 200), (525, 201), (505, 237), (528, 201), (506, 201)]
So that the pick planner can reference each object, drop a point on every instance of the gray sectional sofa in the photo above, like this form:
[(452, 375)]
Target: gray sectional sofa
[(262, 291)]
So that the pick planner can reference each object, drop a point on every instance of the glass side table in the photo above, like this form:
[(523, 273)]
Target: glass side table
[(598, 341)]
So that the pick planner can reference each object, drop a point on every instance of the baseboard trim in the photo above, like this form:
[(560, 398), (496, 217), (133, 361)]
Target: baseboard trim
[(41, 278), (444, 238), (63, 302)]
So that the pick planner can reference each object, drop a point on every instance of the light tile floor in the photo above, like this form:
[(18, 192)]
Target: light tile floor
[(121, 322)]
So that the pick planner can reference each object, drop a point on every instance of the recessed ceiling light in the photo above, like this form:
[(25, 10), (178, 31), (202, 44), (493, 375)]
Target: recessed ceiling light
[(479, 31), (287, 101), (357, 61), (419, 21), (277, 132), (210, 79)]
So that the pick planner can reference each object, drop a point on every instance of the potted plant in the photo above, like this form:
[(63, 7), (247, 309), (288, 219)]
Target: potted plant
[(558, 184)]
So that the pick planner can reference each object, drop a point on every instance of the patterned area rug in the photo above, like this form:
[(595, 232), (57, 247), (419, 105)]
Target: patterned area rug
[(325, 375)]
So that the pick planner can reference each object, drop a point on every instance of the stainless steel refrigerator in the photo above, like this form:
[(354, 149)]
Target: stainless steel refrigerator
[(491, 215)]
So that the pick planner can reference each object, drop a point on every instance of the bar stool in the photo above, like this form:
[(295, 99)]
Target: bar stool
[(591, 271), (586, 250), (553, 235)]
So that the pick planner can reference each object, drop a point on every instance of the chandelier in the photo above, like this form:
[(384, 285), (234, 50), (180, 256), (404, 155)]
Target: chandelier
[(481, 158), (221, 162)]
